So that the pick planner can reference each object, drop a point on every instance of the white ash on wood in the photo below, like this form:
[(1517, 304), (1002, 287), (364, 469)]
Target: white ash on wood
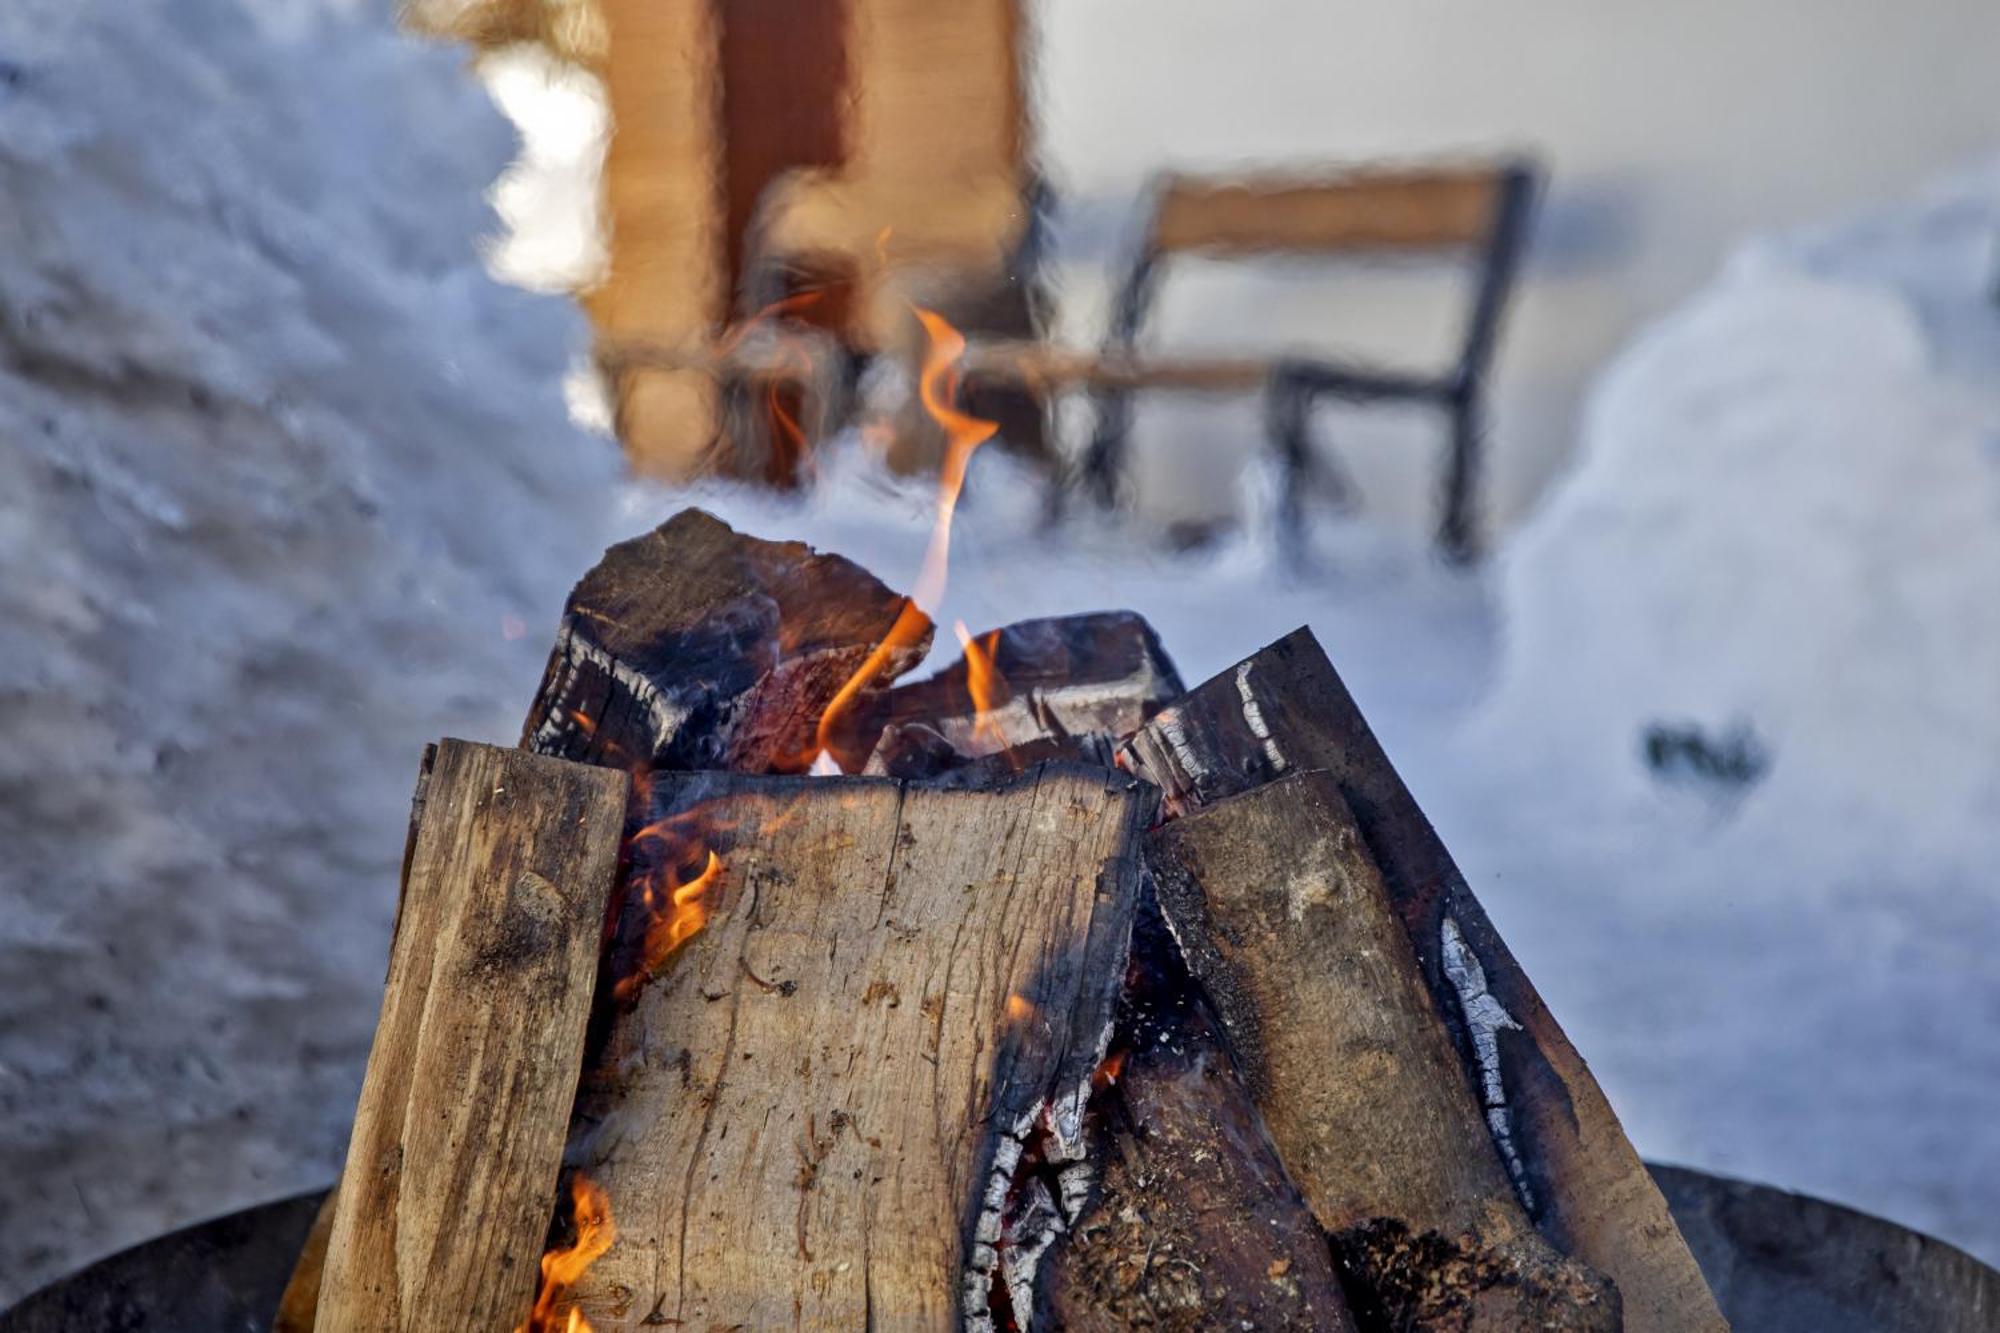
[(1194, 1223)]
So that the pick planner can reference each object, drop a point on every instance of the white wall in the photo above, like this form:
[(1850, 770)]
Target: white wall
[(1670, 127)]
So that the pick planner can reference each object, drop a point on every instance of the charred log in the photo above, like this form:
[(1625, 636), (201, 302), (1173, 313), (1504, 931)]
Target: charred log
[(1194, 1224), (1285, 920), (1070, 685), (695, 646), (1284, 710)]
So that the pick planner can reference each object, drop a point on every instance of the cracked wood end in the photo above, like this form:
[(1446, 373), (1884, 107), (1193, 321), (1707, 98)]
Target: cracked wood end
[(805, 1116), (444, 1201), (1285, 709)]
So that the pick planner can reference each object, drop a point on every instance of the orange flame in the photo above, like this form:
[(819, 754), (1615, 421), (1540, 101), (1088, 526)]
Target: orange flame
[(1108, 1070), (937, 386), (983, 682), (561, 1268), (670, 925)]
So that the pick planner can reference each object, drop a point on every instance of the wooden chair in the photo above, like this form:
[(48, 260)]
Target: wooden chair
[(1480, 211)]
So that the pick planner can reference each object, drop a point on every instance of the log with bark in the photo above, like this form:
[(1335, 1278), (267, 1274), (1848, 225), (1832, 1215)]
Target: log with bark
[(1283, 710), (1285, 920), (854, 1097), (444, 1201)]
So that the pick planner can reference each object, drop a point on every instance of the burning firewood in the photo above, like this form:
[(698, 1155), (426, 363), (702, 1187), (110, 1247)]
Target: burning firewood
[(887, 1051), (695, 646), (1285, 921), (1194, 1223), (1284, 710), (444, 1202), (1075, 684), (853, 1097)]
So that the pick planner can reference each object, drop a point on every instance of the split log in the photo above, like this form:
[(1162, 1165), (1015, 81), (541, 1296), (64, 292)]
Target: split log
[(1195, 1224), (1286, 923), (695, 646), (821, 1110), (1073, 685), (444, 1201), (1285, 709)]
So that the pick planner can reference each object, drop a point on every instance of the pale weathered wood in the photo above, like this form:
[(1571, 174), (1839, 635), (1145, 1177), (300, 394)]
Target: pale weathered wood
[(1285, 709), (1194, 1224), (695, 646), (1285, 921), (445, 1198), (802, 1114)]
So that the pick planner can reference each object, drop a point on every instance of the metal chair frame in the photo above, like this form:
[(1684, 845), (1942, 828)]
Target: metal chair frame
[(1293, 385)]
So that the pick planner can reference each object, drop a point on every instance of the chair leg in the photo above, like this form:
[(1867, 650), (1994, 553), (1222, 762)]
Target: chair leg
[(1104, 462), (1287, 407), (1458, 526)]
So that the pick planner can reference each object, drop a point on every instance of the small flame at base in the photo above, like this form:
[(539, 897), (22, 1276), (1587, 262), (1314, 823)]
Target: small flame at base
[(595, 1231), (824, 765)]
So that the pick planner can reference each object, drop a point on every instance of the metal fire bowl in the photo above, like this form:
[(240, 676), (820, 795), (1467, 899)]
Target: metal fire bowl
[(1779, 1263)]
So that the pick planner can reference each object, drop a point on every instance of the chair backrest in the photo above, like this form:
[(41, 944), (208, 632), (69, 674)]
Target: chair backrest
[(1480, 209)]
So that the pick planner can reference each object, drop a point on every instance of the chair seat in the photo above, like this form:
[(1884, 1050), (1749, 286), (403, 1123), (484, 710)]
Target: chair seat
[(1041, 365)]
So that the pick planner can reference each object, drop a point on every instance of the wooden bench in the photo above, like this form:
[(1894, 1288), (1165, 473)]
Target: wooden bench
[(1479, 211)]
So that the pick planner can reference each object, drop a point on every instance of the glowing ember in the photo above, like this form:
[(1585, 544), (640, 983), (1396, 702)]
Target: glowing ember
[(937, 386), (983, 682), (561, 1268)]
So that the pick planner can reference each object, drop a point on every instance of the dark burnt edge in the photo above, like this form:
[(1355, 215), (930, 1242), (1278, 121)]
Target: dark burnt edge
[(1425, 884), (1046, 1109)]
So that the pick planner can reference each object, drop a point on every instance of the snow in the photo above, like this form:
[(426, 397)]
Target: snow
[(288, 488), (1785, 523), (278, 462)]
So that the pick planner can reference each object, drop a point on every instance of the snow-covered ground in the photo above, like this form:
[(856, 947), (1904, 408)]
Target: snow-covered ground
[(286, 489)]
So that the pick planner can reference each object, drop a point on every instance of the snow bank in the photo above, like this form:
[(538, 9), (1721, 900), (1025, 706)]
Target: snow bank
[(1781, 541), (280, 470)]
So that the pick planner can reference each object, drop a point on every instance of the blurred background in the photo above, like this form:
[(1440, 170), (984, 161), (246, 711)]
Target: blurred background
[(1615, 389)]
